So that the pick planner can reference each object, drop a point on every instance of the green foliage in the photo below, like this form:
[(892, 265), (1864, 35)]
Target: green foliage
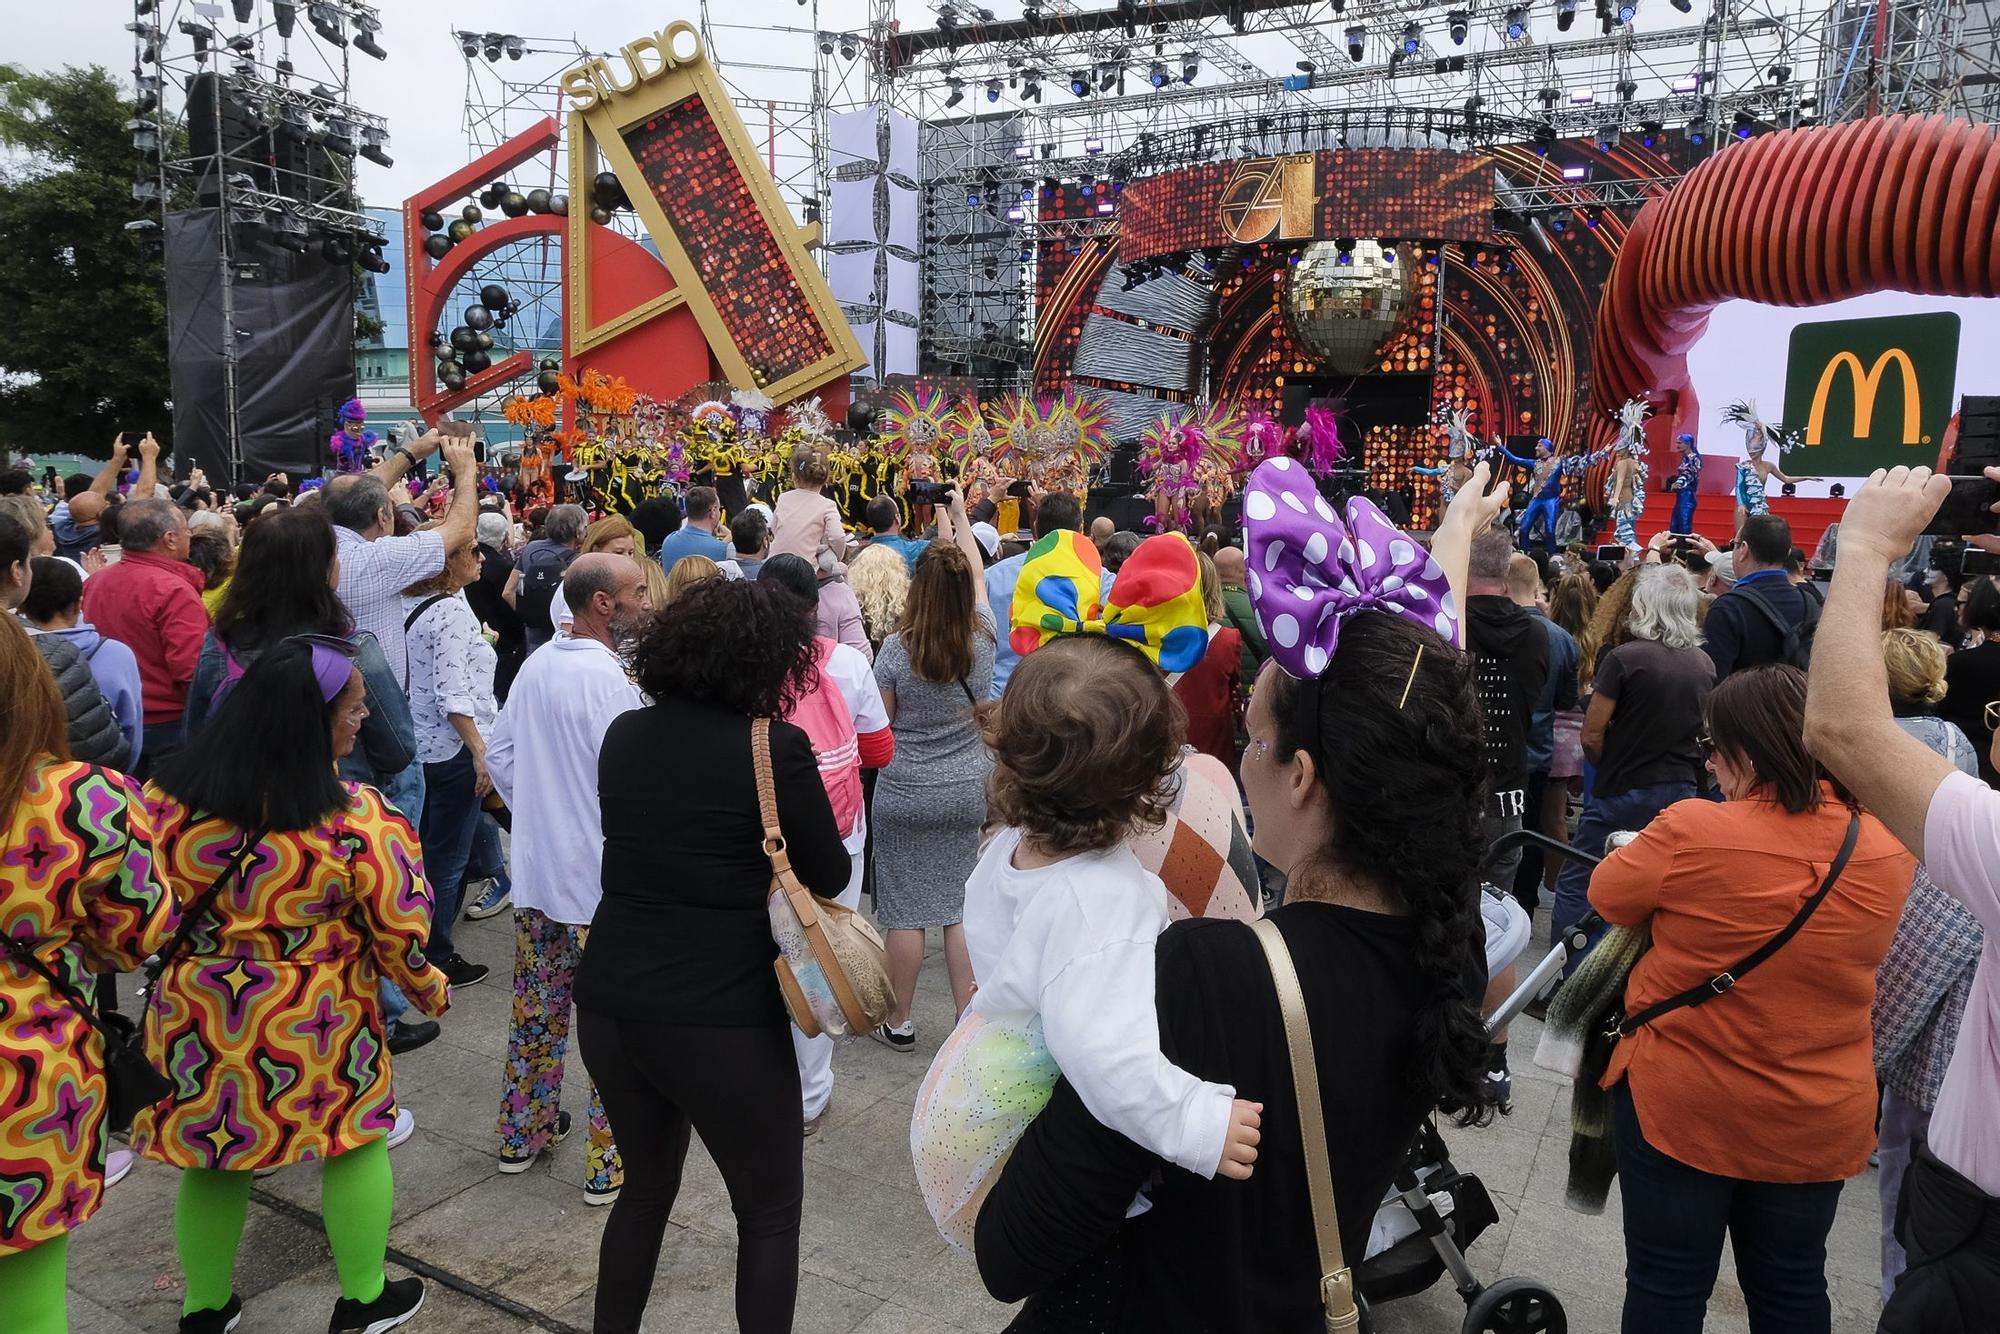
[(85, 351)]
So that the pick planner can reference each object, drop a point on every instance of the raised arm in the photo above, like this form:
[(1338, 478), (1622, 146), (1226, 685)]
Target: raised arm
[(149, 467), (397, 460), (460, 524), (955, 528), (1472, 512), (107, 476)]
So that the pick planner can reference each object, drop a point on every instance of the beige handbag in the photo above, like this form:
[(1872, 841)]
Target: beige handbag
[(832, 969), (1336, 1281)]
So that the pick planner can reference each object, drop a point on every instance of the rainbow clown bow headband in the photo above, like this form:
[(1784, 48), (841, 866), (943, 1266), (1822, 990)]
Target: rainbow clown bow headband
[(1155, 605), (1310, 569)]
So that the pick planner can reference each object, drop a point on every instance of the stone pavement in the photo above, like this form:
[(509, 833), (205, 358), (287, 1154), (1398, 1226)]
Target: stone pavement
[(508, 1255)]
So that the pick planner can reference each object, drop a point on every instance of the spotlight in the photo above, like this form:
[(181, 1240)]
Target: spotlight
[(1838, 490), (287, 15), (1746, 125), (493, 45), (826, 44), (468, 43), (326, 21), (847, 47), (1781, 73), (366, 25), (1684, 6), (1093, 144), (1697, 133), (1627, 89), (1023, 150), (1079, 83), (1413, 38), (245, 9), (993, 90), (1791, 489), (513, 46), (1627, 11), (1517, 23), (1016, 213), (1105, 206), (1157, 75), (1607, 135), (971, 200), (957, 86), (1565, 14), (1357, 43), (1190, 66), (1457, 23), (1650, 132), (1031, 85), (375, 145), (1109, 77)]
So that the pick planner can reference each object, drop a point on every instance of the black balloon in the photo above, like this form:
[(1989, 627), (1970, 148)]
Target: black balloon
[(482, 341), (601, 216), (499, 188), (559, 205), (432, 220), (476, 362), (454, 379), (464, 339), (605, 187), (460, 229), (547, 382), (488, 199), (549, 364), (494, 297), (471, 213), (478, 317), (860, 417), (538, 201), (514, 204), (437, 245)]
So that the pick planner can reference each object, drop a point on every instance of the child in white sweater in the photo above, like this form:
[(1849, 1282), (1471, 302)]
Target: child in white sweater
[(805, 522), (1060, 920)]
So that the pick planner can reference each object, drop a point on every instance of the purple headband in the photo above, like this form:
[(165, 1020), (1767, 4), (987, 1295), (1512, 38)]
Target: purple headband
[(1309, 571), (332, 669)]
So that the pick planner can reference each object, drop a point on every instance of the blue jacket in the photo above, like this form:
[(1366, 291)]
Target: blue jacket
[(1558, 692), (692, 542), (116, 671), (388, 740)]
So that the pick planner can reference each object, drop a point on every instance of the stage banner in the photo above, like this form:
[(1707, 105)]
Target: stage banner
[(1872, 393), (1405, 193)]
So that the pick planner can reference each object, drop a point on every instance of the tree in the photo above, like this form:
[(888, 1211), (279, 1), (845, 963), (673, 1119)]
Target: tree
[(85, 354)]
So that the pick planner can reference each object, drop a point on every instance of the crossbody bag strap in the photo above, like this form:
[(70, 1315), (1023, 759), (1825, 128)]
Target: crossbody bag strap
[(194, 917), (75, 998), (410, 621), (1336, 1281), (1729, 977), (802, 900)]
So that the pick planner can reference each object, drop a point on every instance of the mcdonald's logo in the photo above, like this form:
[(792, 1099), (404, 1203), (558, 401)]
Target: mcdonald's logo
[(1872, 393)]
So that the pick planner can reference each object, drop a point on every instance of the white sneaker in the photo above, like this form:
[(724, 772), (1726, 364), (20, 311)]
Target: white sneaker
[(406, 1126), (118, 1165)]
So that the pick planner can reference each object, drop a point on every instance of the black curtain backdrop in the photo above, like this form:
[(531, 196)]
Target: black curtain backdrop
[(294, 341)]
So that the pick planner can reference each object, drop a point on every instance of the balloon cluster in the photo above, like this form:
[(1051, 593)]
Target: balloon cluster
[(607, 196), (442, 236), (468, 349)]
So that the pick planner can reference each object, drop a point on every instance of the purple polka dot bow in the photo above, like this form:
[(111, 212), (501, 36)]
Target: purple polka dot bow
[(1309, 571)]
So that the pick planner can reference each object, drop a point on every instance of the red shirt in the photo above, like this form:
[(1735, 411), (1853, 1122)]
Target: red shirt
[(152, 604), (1207, 692)]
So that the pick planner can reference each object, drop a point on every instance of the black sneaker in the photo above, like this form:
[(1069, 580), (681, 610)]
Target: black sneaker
[(212, 1321), (903, 1039), (461, 971), (401, 1298), (410, 1036), (509, 1165)]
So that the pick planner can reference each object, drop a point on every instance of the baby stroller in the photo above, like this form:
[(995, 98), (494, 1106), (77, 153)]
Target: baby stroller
[(1435, 1212)]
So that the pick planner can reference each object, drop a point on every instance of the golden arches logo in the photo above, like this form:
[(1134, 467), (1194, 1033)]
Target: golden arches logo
[(1866, 384)]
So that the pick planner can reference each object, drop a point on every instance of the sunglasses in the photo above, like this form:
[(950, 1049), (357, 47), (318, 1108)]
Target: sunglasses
[(1992, 716), (1705, 743)]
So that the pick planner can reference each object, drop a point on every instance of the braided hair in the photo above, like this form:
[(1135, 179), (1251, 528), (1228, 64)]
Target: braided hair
[(1406, 778)]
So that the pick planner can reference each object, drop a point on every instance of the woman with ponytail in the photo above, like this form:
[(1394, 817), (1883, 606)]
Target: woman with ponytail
[(1366, 780)]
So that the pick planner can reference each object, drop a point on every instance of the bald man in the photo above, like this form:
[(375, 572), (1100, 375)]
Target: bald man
[(76, 526), (1239, 613), (1101, 529)]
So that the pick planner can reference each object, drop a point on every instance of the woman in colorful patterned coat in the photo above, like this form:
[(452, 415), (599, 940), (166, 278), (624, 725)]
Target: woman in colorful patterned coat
[(270, 1026), (77, 890)]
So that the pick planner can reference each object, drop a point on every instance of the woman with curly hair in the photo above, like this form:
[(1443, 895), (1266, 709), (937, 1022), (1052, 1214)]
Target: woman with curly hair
[(1367, 780), (880, 582), (676, 982)]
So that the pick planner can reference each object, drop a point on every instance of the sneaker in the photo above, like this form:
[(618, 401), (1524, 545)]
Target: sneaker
[(410, 1036), (401, 1298), (406, 1126), (118, 1165), (461, 971), (493, 900), (510, 1165), (1499, 1086), (212, 1321), (812, 1122), (903, 1039), (597, 1197)]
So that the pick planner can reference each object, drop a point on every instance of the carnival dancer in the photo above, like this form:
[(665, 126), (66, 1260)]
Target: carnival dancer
[(1753, 471), (912, 431), (1456, 469), (1060, 916), (1684, 484), (1170, 456), (351, 444), (1316, 442), (1625, 489), (1549, 469)]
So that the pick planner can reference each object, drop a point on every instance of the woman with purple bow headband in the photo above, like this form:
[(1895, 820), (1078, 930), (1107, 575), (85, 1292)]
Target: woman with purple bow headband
[(1366, 778)]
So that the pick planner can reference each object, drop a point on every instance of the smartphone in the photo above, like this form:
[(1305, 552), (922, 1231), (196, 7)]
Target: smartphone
[(1968, 510), (449, 427), (1976, 561), (1820, 576), (1614, 552)]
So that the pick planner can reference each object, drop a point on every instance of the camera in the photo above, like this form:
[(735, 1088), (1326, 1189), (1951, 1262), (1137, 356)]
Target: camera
[(929, 493)]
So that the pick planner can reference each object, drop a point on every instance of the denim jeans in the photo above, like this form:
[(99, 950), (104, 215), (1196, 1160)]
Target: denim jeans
[(451, 819), (1675, 1218), (487, 859), (157, 741), (404, 790), (1602, 816)]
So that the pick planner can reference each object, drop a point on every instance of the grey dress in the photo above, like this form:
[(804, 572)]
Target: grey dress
[(930, 802)]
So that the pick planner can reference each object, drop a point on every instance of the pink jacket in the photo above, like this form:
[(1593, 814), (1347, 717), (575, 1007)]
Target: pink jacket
[(802, 523)]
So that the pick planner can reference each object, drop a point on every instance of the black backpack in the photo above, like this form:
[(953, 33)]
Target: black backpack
[(541, 575), (1795, 642)]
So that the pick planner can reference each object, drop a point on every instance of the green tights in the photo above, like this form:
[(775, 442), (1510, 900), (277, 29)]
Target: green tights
[(355, 1192), (32, 1292)]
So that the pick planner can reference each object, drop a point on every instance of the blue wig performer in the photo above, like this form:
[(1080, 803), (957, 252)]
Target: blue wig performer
[(1685, 482), (1549, 469), (351, 444)]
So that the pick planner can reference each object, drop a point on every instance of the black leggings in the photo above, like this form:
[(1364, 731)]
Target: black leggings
[(739, 1087)]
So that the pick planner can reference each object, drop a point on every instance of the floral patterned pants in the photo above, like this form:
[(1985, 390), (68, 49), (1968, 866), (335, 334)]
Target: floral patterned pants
[(546, 954)]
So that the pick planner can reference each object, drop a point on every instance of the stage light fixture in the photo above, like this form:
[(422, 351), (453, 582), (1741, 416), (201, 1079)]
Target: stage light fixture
[(1576, 173), (1781, 72), (1031, 85), (245, 9), (971, 199), (468, 43), (1024, 150), (1746, 125), (826, 43), (1413, 37), (1549, 95), (513, 46), (1627, 90), (375, 146), (993, 90), (1105, 206), (957, 86), (326, 21), (1607, 135), (1157, 74), (1627, 11), (1017, 214), (1093, 144), (1789, 490), (1837, 491), (1190, 66), (1650, 132), (1109, 77), (1684, 6), (492, 47), (1697, 133), (366, 25), (1357, 43), (1458, 22), (1388, 250), (1565, 14), (847, 47), (1517, 23)]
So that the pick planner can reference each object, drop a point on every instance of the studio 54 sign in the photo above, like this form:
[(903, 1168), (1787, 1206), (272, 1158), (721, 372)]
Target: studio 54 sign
[(1872, 393)]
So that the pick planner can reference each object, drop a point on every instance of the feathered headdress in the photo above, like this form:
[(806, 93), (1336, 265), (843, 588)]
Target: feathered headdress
[(1457, 423), (1758, 433), (1320, 435), (913, 423), (967, 436), (1259, 438), (753, 411), (1080, 424), (1632, 414), (808, 418), (1176, 439)]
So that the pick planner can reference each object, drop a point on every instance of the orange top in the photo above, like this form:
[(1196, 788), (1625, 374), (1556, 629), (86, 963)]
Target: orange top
[(1775, 1079)]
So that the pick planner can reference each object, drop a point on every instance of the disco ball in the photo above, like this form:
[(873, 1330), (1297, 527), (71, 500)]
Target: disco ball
[(1343, 313)]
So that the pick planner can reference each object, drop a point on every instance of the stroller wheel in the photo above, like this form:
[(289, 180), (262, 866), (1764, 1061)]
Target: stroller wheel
[(1515, 1306)]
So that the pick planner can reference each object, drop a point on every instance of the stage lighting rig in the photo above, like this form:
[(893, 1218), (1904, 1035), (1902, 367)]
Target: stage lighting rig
[(1157, 74), (1413, 38), (993, 90), (327, 22), (367, 24), (1190, 67), (1458, 22), (1565, 14), (1517, 23), (1357, 42)]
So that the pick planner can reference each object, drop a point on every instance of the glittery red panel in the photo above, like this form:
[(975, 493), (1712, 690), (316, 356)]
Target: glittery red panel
[(1409, 194), (740, 263)]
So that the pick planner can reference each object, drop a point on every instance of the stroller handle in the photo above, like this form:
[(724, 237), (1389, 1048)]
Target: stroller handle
[(1591, 923)]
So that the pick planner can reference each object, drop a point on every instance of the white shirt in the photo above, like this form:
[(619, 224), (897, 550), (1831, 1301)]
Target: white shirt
[(373, 576), (1962, 855), (854, 676), (543, 759), (1073, 943), (451, 671)]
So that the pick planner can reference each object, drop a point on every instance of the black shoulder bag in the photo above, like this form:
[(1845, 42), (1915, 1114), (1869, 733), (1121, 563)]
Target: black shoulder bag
[(131, 1081), (1728, 978)]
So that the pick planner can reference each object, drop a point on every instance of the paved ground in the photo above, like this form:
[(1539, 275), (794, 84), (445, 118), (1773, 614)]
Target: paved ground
[(515, 1254)]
